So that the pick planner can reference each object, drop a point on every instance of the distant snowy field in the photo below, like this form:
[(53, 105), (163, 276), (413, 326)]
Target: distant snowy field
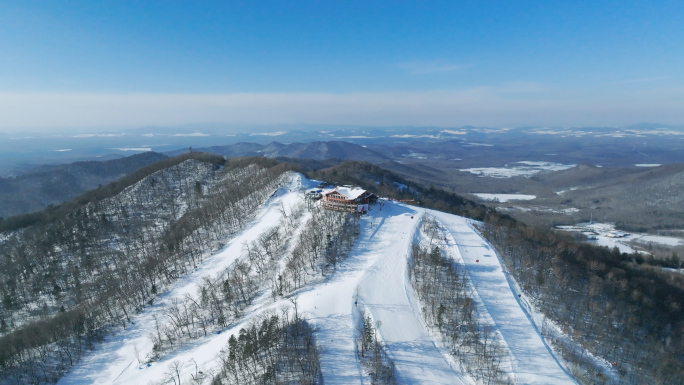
[(375, 276), (606, 235), (524, 168), (503, 197), (663, 240), (568, 210)]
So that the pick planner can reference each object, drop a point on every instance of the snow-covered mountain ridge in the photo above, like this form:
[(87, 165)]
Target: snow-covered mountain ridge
[(372, 278), (66, 282), (223, 272)]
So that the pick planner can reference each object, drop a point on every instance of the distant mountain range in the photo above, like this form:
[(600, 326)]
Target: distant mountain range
[(472, 146), (430, 155), (313, 150)]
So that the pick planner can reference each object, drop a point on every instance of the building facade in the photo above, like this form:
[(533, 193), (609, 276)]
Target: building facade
[(347, 198)]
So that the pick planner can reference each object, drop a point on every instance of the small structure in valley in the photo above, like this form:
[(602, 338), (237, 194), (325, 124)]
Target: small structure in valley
[(347, 198)]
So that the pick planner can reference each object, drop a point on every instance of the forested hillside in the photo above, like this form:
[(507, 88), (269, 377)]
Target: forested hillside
[(635, 199), (71, 271), (613, 305), (54, 184)]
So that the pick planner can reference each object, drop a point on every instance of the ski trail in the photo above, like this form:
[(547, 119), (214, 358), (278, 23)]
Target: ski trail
[(330, 306), (376, 269), (533, 363), (383, 292)]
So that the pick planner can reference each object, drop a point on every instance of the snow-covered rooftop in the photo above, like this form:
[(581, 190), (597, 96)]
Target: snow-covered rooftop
[(350, 192)]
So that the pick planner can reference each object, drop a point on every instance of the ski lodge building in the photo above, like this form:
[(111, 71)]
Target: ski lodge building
[(347, 198)]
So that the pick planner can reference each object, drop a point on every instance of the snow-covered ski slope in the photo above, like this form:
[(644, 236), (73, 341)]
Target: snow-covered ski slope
[(533, 362), (376, 270), (374, 275)]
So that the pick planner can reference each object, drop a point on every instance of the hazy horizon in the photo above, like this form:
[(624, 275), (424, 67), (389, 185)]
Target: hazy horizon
[(128, 64)]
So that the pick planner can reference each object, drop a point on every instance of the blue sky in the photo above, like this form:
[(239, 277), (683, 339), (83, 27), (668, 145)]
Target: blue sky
[(87, 63)]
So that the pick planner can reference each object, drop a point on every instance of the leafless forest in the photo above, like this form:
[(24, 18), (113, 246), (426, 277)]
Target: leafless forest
[(68, 278)]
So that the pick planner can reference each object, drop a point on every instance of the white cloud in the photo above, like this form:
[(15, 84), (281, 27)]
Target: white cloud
[(193, 134), (133, 149), (507, 105), (277, 133)]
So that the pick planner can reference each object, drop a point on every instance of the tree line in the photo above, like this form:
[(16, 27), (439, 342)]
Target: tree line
[(323, 243), (47, 185), (221, 300), (622, 307), (55, 212), (384, 183), (628, 313), (272, 349), (371, 352)]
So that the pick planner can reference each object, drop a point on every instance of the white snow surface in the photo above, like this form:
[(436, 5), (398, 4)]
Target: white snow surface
[(455, 132), (376, 270), (524, 168), (384, 291), (660, 239), (602, 232), (349, 192), (133, 148), (605, 236)]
